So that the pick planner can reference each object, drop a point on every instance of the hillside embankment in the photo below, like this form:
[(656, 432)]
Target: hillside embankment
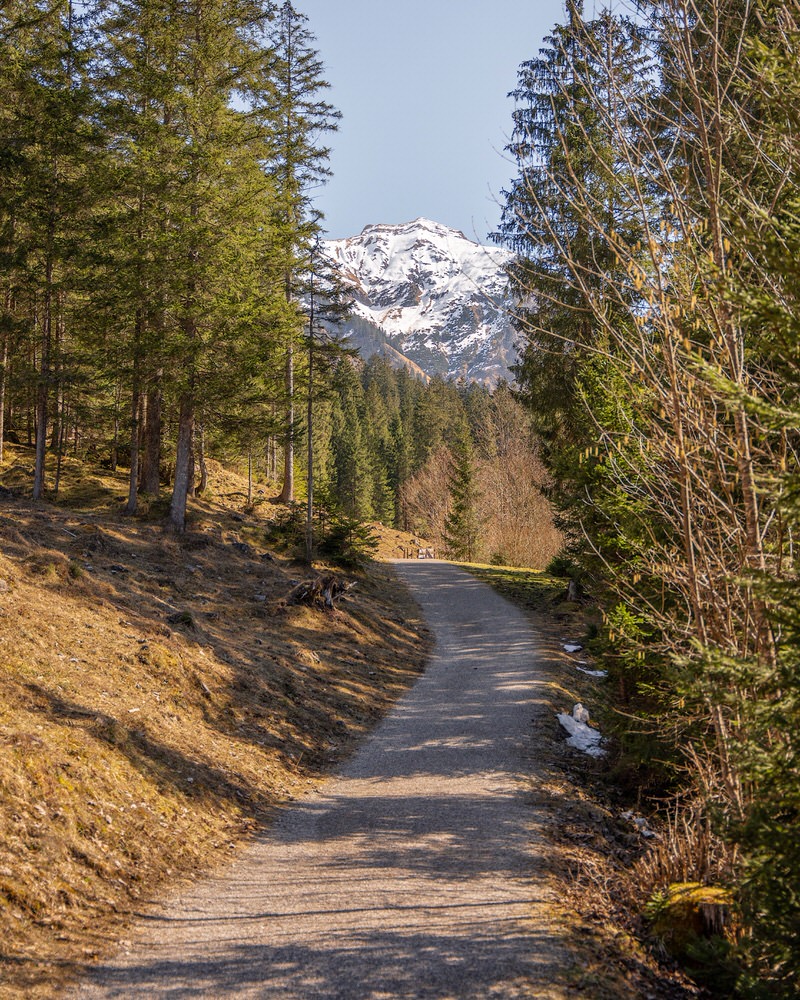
[(160, 697)]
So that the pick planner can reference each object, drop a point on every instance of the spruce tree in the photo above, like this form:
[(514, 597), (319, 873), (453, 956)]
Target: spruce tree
[(49, 137), (563, 215), (134, 230), (462, 525), (291, 104), (353, 482)]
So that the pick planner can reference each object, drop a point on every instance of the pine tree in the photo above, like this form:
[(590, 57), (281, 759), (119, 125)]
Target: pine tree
[(217, 184), (327, 301), (438, 418), (353, 483), (296, 116), (49, 139), (12, 172), (563, 215), (133, 231)]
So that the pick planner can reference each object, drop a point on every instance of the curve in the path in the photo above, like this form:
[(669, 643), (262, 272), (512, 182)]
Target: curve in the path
[(410, 875)]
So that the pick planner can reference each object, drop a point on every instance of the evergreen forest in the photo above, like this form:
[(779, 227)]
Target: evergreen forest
[(157, 235), (451, 462), (164, 300)]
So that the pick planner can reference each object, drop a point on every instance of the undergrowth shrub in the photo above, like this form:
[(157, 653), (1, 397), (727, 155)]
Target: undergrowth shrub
[(348, 543)]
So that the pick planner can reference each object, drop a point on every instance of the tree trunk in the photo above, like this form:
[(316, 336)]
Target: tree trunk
[(287, 493), (3, 381), (180, 491), (133, 477), (58, 375), (30, 395), (151, 466), (115, 441), (310, 433), (203, 486), (42, 389), (62, 443), (190, 487)]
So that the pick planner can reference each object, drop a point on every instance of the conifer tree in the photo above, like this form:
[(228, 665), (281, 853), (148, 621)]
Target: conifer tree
[(462, 525), (296, 116), (438, 418), (194, 283), (590, 79), (12, 159), (49, 139), (134, 228), (351, 459)]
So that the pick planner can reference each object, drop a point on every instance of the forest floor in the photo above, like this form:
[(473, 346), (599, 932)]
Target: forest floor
[(161, 697)]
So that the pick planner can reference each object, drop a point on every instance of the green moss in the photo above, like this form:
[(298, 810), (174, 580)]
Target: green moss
[(688, 912)]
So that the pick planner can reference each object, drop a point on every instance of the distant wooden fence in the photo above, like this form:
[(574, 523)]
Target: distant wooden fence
[(418, 552)]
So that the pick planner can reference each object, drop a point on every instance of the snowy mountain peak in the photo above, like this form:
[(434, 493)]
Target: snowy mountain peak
[(417, 227), (433, 296)]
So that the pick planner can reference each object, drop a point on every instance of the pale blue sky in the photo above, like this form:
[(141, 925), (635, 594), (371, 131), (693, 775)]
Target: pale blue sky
[(422, 86)]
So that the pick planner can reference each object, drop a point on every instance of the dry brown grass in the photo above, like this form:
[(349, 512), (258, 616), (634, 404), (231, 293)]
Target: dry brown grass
[(394, 544), (158, 697)]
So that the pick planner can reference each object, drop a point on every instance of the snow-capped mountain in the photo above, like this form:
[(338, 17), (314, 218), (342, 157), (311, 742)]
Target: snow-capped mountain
[(425, 294)]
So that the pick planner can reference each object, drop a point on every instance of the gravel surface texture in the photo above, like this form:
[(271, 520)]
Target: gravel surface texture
[(411, 874)]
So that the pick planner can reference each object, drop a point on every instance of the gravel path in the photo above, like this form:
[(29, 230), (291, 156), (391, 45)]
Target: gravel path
[(410, 875)]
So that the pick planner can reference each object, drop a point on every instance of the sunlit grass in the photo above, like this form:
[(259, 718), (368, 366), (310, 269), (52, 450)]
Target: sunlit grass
[(529, 588)]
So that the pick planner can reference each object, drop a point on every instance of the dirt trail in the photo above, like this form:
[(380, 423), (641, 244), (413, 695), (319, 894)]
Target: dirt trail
[(411, 874)]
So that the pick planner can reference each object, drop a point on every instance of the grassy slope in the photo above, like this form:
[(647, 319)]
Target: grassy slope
[(158, 697)]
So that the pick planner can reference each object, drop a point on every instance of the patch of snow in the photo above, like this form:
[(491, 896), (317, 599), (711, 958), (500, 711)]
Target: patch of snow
[(641, 825), (581, 735), (572, 647), (593, 673)]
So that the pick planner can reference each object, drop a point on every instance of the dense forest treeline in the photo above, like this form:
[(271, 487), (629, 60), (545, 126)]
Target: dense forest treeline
[(453, 462), (655, 218)]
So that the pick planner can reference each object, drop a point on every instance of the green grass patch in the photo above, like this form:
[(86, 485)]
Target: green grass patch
[(528, 588)]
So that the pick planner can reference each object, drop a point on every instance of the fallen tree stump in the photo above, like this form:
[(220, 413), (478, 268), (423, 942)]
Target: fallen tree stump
[(321, 591)]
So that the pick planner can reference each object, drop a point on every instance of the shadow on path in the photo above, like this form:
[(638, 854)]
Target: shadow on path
[(411, 875)]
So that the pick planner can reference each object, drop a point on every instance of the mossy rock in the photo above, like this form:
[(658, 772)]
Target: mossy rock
[(688, 912), (161, 660)]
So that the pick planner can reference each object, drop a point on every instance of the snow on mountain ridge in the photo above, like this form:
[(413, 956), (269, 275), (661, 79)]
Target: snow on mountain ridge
[(437, 297)]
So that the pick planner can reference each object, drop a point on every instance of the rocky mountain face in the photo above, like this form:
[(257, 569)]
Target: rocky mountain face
[(428, 297)]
